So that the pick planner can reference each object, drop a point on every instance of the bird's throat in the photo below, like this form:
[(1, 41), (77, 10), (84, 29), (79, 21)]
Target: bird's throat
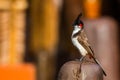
[(76, 32)]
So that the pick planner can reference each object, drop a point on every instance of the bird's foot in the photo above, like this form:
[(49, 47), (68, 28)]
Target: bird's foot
[(82, 58)]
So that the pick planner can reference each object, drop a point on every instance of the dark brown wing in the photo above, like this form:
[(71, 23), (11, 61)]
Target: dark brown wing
[(84, 41)]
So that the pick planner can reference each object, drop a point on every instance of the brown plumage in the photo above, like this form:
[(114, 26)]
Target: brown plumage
[(83, 40)]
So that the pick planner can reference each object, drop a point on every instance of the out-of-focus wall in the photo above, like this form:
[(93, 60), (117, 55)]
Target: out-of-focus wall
[(43, 36)]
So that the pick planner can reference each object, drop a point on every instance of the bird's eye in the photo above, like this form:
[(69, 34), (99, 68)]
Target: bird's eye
[(81, 25)]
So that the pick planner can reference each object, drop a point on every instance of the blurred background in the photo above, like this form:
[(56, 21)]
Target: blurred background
[(35, 36)]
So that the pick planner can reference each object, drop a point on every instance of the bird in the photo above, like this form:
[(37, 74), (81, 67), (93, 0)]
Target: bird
[(80, 41)]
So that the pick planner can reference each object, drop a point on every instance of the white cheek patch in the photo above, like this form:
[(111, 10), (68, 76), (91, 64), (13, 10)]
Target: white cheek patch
[(76, 30)]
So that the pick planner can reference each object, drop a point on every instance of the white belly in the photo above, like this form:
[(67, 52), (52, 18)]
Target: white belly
[(81, 49)]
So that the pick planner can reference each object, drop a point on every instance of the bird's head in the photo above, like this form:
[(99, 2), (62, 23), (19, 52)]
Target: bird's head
[(78, 24)]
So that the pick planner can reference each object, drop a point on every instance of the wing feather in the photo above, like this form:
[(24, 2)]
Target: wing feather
[(83, 40)]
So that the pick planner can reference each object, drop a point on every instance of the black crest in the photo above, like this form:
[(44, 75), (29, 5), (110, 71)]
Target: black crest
[(78, 21)]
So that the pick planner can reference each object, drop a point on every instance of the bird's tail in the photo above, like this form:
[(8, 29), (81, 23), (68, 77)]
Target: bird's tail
[(99, 65)]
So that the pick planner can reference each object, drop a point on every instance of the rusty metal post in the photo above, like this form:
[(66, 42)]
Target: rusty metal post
[(12, 14)]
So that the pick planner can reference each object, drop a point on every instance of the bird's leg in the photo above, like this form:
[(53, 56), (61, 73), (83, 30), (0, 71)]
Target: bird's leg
[(81, 60)]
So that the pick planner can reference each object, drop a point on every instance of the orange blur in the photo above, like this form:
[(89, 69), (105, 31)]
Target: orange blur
[(17, 72)]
